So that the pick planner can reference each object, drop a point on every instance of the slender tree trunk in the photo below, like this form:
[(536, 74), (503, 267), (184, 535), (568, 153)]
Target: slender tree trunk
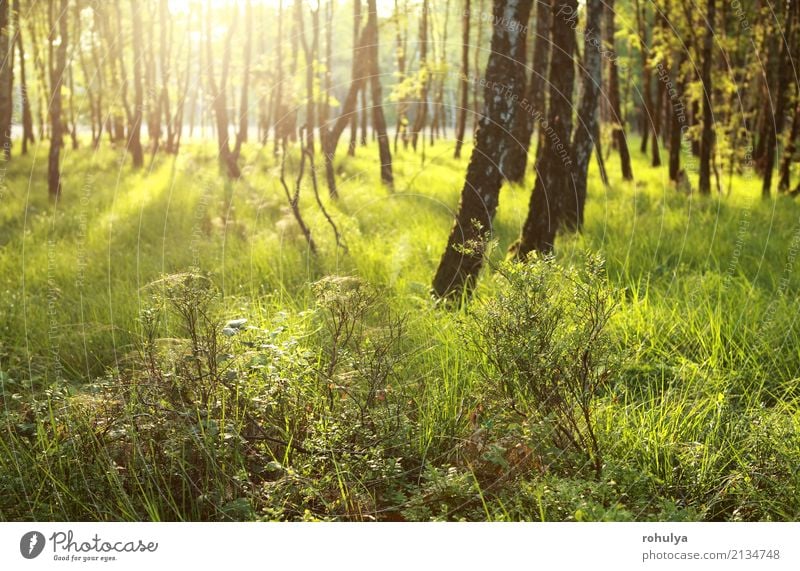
[(536, 100), (135, 124), (678, 122), (218, 94), (401, 41), (325, 107), (326, 82), (110, 60), (102, 120), (785, 67), (162, 108), (351, 149), (151, 112), (264, 103), (6, 80), (279, 113), (362, 139), (421, 115), (477, 104), (766, 111), (620, 141), (462, 259), (646, 115), (73, 116), (41, 73), (791, 149), (707, 140), (310, 53), (241, 135), (463, 108), (553, 191), (657, 116), (58, 66), (95, 118), (439, 118), (182, 84), (293, 109), (325, 103), (649, 113), (378, 119), (27, 117), (790, 144), (123, 79), (194, 112), (349, 107), (516, 160), (587, 128)]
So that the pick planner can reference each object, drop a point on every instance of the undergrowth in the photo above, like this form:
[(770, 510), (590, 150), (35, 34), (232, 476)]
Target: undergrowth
[(171, 350)]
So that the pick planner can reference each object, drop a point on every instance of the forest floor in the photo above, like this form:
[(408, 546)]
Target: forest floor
[(349, 394)]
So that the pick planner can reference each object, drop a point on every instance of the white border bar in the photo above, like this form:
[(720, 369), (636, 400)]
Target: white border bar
[(407, 546)]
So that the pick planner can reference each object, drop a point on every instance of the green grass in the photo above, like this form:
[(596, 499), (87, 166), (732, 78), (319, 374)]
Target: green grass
[(700, 422)]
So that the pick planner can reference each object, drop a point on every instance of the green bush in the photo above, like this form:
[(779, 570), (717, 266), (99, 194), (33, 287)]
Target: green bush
[(544, 343)]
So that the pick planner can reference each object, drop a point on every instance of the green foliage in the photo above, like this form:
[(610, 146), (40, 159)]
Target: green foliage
[(131, 389), (543, 335)]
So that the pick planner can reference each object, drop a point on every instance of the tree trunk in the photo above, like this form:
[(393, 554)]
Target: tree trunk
[(241, 135), (789, 151), (102, 120), (27, 117), (310, 53), (6, 80), (463, 108), (785, 68), (516, 160), (349, 108), (326, 80), (537, 88), (151, 114), (41, 73), (57, 69), (73, 116), (135, 118), (218, 94), (504, 87), (401, 41), (92, 94), (165, 50), (182, 84), (279, 112), (325, 125), (658, 111), (264, 103), (422, 105), (765, 116), (707, 137), (678, 121), (439, 118), (649, 113), (123, 76), (362, 139), (325, 104), (620, 142), (587, 128), (476, 103), (378, 119), (351, 149), (553, 191)]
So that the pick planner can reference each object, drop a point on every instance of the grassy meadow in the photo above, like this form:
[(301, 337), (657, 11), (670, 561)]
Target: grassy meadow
[(128, 392)]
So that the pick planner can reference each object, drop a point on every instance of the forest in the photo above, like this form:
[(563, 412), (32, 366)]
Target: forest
[(399, 260)]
